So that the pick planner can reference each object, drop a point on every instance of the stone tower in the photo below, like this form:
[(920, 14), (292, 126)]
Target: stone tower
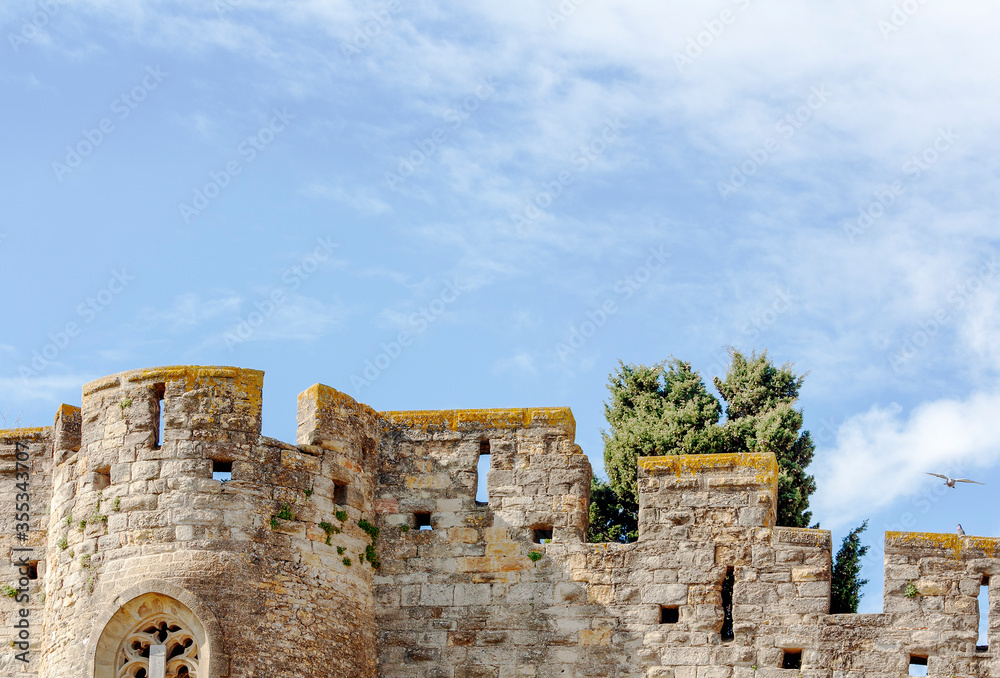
[(147, 545)]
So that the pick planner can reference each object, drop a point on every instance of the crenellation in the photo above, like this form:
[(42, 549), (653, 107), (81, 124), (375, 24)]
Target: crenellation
[(273, 572)]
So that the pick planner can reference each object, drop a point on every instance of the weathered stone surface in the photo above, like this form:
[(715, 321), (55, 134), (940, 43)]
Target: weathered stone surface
[(273, 572)]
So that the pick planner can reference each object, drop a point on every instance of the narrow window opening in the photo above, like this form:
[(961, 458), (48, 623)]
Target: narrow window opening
[(102, 478), (727, 605), (541, 535), (32, 569), (918, 665), (340, 494), (482, 468), (222, 471), (983, 644), (159, 391), (669, 614), (422, 521), (792, 659)]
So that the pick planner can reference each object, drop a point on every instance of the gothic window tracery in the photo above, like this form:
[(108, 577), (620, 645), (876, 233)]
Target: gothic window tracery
[(132, 659)]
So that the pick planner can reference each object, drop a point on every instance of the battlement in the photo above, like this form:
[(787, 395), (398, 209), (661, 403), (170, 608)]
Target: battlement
[(362, 550)]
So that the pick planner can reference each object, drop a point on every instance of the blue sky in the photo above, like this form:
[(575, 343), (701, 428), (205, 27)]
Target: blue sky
[(446, 205)]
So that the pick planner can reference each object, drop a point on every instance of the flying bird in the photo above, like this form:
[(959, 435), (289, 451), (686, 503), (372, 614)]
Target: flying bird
[(950, 482), (960, 531)]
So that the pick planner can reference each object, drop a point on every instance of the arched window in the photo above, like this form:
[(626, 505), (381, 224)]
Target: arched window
[(155, 632), (181, 649)]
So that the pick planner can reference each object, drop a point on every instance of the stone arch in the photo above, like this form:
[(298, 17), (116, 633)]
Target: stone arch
[(174, 613)]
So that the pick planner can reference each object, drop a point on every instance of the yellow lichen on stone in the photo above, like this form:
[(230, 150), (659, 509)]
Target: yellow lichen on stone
[(33, 433), (765, 464), (988, 545), (935, 540), (325, 398), (500, 419), (249, 383)]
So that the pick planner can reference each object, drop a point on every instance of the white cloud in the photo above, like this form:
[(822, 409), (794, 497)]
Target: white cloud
[(521, 363), (359, 199), (880, 456), (295, 318), (46, 387), (188, 311)]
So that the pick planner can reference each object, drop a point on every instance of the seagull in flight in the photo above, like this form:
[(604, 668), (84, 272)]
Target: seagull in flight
[(950, 482)]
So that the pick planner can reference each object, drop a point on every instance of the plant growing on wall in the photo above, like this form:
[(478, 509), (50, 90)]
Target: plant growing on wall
[(372, 532)]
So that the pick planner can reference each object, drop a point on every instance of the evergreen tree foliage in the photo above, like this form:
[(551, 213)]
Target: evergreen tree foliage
[(760, 418), (612, 519), (666, 409), (656, 410), (846, 584)]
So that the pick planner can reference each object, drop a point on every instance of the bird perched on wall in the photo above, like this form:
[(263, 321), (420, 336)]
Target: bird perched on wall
[(950, 482), (960, 531)]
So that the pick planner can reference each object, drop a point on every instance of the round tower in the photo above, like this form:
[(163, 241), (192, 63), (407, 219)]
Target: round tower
[(182, 543)]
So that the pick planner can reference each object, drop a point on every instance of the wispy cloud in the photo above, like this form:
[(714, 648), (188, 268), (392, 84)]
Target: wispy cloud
[(880, 455), (359, 199), (188, 311), (46, 387), (520, 364)]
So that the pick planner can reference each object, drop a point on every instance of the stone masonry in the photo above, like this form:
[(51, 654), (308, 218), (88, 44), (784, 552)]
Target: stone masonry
[(153, 531)]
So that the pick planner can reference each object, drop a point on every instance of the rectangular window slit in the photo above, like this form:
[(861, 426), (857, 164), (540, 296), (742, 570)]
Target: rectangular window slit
[(669, 614), (222, 471), (159, 393), (727, 605), (422, 521), (482, 469), (340, 494), (541, 535), (983, 644), (918, 665), (792, 659)]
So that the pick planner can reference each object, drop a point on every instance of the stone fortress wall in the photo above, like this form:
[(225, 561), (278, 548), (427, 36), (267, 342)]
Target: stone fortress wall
[(281, 572)]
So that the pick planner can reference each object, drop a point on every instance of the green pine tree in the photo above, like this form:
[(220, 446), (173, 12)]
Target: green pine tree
[(656, 410), (760, 418), (846, 584), (612, 519), (666, 409)]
